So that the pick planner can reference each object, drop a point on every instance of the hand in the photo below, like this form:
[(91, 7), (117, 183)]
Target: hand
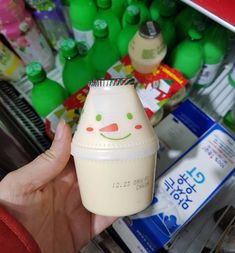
[(44, 196)]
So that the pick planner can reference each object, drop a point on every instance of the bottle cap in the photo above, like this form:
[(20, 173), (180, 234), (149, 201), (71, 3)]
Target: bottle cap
[(100, 28), (167, 8), (111, 82), (35, 72), (149, 30), (68, 48), (82, 48), (104, 4), (133, 14), (194, 34)]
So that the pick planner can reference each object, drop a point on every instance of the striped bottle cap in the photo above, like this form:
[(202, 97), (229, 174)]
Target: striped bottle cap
[(112, 82)]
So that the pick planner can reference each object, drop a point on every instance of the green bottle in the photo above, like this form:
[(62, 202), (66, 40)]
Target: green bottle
[(188, 18), (215, 44), (118, 7), (187, 56), (77, 71), (132, 21), (103, 54), (47, 94), (168, 33), (144, 12), (162, 11), (105, 12), (154, 11), (164, 8), (82, 14)]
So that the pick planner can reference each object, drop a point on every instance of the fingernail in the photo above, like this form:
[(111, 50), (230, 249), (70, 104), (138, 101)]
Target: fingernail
[(59, 130)]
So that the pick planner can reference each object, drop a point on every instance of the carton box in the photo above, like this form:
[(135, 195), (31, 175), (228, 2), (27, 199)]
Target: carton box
[(184, 188)]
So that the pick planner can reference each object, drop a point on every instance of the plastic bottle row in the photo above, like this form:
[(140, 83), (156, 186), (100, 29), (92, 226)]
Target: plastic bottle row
[(47, 94), (192, 40)]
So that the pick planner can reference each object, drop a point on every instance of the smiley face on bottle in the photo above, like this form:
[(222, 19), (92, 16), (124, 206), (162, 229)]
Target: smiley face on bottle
[(111, 131)]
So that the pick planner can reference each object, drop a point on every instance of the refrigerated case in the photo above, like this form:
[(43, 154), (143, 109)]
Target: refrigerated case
[(208, 230), (28, 139), (22, 131)]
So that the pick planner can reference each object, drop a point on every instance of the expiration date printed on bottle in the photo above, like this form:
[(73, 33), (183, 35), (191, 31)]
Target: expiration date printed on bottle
[(137, 184)]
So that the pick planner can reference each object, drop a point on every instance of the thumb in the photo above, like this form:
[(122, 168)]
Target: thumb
[(49, 164)]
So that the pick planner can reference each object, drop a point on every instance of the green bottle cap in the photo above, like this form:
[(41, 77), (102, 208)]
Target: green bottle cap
[(35, 72), (100, 28), (82, 48), (68, 48), (104, 4), (133, 14), (194, 35)]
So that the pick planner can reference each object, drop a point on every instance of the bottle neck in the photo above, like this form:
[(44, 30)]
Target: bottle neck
[(101, 38), (35, 83), (69, 58)]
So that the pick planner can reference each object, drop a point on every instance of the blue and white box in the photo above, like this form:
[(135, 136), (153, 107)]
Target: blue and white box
[(181, 191)]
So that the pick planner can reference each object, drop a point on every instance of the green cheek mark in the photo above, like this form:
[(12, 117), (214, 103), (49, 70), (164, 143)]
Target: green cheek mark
[(129, 116), (115, 139), (98, 117)]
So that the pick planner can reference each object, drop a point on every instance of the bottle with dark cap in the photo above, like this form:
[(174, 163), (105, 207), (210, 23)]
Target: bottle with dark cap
[(147, 48)]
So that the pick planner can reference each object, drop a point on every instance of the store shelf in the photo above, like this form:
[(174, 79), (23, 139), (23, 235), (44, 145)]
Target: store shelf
[(221, 11)]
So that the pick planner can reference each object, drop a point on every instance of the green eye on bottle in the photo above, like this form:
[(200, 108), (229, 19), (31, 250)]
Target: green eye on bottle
[(98, 117), (129, 116)]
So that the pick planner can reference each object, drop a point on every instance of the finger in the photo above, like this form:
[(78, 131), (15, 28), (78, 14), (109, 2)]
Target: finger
[(99, 223), (49, 164)]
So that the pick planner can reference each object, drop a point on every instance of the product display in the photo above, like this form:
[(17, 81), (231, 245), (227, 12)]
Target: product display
[(100, 60), (214, 51), (187, 57), (46, 93), (65, 8), (144, 12), (114, 149), (147, 88), (147, 48), (77, 71), (189, 18), (50, 18), (132, 25), (23, 34), (11, 10), (164, 8), (166, 24), (11, 67), (82, 24), (118, 7), (105, 13)]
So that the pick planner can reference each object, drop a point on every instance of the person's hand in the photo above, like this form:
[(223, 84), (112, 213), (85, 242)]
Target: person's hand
[(44, 196)]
